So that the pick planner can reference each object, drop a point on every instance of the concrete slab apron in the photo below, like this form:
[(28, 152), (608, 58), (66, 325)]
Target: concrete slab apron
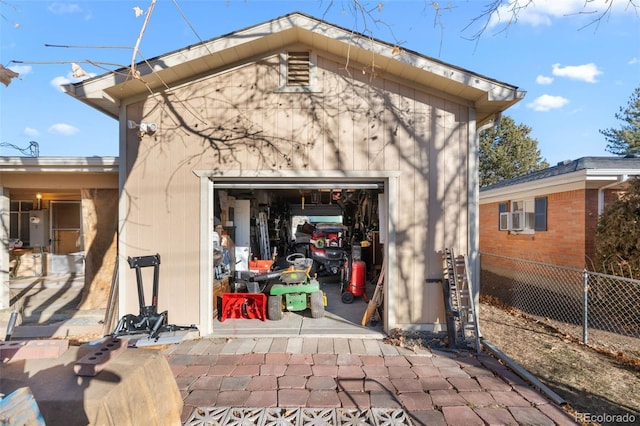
[(311, 381)]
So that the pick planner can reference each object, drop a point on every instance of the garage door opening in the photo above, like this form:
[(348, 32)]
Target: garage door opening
[(262, 229)]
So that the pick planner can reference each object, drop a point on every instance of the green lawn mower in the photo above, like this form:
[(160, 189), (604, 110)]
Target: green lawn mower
[(296, 291)]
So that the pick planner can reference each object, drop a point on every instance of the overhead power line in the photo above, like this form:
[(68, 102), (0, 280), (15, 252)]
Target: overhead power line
[(33, 150)]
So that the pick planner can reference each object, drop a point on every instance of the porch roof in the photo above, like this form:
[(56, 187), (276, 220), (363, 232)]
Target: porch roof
[(59, 164)]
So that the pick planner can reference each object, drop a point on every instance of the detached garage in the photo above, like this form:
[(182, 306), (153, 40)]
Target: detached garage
[(289, 122)]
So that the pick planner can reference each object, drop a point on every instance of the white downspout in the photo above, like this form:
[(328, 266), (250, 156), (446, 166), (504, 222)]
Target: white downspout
[(621, 179), (474, 208)]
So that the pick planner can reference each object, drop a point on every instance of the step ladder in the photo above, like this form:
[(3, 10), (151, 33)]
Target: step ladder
[(263, 234), (462, 324)]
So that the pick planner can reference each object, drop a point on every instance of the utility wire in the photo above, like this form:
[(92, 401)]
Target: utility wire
[(67, 46), (33, 150), (175, 2)]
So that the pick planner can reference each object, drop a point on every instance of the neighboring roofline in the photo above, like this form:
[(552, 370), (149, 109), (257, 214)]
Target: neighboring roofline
[(583, 173), (95, 91), (59, 164)]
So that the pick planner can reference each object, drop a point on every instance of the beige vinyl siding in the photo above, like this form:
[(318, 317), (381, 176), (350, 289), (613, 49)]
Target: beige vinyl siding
[(357, 122)]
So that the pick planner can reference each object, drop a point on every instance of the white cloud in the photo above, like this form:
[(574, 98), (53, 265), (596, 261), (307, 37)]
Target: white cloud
[(64, 8), (61, 80), (21, 69), (57, 82), (543, 12), (633, 61), (586, 72), (63, 129), (31, 132), (544, 80), (546, 103)]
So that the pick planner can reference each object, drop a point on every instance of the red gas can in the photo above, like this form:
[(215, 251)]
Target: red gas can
[(357, 283)]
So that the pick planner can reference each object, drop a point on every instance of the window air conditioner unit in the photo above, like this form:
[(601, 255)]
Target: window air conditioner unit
[(517, 221), (511, 221)]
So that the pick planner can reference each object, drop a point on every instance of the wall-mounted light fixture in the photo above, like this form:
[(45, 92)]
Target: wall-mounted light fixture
[(39, 198), (143, 128)]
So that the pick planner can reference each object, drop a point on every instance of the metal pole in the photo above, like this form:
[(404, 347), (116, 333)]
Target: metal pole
[(585, 306), (526, 375)]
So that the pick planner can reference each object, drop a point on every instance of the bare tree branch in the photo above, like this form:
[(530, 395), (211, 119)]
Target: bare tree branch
[(135, 72)]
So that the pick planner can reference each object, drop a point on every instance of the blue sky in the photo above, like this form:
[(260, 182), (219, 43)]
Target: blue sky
[(577, 71)]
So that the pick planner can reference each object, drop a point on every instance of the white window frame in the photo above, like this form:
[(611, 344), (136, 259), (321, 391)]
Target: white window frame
[(520, 219), (21, 215)]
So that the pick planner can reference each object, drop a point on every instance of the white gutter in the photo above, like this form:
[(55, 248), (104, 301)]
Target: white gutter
[(621, 179)]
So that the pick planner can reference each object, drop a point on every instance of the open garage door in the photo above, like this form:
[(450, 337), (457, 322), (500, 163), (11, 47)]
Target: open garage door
[(336, 225)]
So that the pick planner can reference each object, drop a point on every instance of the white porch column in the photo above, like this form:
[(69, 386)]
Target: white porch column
[(5, 296)]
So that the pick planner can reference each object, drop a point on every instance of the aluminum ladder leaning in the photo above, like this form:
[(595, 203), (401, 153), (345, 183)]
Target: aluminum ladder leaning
[(462, 324)]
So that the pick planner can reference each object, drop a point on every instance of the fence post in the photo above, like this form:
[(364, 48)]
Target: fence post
[(585, 306)]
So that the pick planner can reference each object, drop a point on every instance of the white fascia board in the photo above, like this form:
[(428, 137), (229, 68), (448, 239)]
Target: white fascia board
[(610, 174), (96, 88), (500, 92), (59, 164), (105, 92), (208, 48), (93, 88), (495, 90), (94, 93)]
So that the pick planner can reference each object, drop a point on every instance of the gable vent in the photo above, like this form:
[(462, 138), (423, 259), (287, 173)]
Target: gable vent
[(298, 69)]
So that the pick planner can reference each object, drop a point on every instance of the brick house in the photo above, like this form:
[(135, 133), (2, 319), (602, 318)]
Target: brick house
[(551, 215)]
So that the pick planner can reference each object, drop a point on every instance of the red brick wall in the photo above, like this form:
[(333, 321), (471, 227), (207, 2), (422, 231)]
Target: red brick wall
[(564, 243)]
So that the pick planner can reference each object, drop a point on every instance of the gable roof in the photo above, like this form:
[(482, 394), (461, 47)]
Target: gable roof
[(585, 172), (107, 91)]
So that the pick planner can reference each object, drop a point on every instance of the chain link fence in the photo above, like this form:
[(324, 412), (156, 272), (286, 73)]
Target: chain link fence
[(598, 309)]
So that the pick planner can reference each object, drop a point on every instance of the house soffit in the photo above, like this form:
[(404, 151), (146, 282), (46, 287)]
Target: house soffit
[(106, 92)]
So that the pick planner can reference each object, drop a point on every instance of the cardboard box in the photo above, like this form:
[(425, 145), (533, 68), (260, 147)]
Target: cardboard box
[(260, 266), (219, 288)]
